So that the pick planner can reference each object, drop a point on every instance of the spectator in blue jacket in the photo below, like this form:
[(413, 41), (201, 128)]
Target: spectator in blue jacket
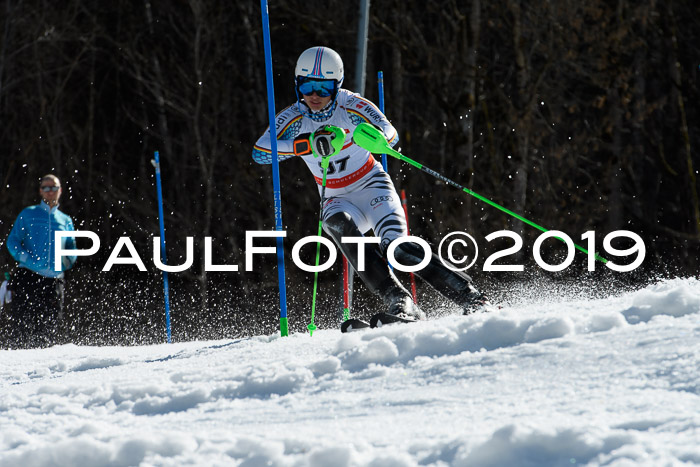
[(38, 288)]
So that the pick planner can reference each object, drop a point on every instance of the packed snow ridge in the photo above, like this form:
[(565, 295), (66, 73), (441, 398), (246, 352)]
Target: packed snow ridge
[(560, 382)]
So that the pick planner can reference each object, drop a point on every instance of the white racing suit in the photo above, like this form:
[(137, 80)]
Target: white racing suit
[(360, 197)]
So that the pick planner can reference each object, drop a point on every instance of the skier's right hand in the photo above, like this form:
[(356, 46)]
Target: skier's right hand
[(302, 144), (325, 142)]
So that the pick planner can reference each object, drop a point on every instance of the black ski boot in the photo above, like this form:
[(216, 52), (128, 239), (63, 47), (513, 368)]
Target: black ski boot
[(376, 274), (401, 304), (473, 301), (454, 285), (401, 307)]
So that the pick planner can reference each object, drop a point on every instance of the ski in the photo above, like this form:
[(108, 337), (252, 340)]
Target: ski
[(377, 320), (353, 324), (381, 319)]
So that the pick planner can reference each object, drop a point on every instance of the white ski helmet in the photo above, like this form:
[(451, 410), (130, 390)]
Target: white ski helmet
[(320, 63)]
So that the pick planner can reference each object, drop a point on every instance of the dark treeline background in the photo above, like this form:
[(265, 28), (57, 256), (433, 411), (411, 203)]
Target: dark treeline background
[(578, 115)]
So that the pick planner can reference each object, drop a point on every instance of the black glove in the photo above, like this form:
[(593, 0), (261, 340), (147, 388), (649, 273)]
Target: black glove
[(319, 143), (322, 142)]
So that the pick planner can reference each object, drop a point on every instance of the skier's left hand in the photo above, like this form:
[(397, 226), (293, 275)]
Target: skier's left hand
[(327, 141)]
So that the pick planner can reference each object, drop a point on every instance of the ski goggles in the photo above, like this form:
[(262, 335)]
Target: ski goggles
[(46, 189), (322, 88)]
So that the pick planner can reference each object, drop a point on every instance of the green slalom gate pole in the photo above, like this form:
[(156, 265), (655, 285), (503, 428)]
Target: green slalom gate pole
[(373, 140)]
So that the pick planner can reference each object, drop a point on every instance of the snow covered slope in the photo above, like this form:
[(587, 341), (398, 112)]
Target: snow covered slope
[(605, 382)]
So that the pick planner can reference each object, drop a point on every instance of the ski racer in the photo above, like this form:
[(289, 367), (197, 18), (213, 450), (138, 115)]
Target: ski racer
[(360, 195)]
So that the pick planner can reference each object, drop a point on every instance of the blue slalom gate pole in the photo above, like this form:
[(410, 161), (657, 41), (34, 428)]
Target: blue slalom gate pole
[(380, 82), (284, 327), (166, 288)]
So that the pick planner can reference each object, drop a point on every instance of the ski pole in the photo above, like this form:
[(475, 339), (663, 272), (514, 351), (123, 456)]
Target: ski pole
[(373, 140), (336, 138), (277, 192), (324, 164)]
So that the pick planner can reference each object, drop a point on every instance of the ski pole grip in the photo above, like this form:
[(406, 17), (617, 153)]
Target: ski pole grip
[(373, 140), (327, 141)]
